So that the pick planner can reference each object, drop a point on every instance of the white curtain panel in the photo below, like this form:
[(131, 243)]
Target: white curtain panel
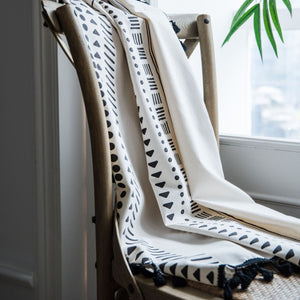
[(178, 217)]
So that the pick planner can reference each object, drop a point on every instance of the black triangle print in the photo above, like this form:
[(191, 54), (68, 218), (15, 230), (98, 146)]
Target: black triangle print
[(168, 205), (97, 55), (265, 245), (184, 271), (130, 207), (277, 249), (147, 142), (129, 170), (196, 274), (223, 230), (210, 277), (144, 131), (150, 153), (93, 22), (130, 250), (153, 164), (170, 217), (157, 175), (96, 44), (165, 194), (88, 12), (127, 219), (173, 268), (161, 184), (243, 237), (290, 254), (162, 266), (96, 32), (141, 120)]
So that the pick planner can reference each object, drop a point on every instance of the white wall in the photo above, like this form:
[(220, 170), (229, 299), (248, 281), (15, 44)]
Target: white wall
[(78, 246)]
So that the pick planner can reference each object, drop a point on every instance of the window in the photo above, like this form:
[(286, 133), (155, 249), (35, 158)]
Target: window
[(259, 104)]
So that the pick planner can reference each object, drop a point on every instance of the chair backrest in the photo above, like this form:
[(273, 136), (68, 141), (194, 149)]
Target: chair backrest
[(60, 20)]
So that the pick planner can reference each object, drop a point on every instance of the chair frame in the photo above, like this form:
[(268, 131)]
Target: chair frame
[(114, 278)]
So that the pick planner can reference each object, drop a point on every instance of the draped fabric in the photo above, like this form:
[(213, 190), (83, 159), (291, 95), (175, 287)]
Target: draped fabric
[(176, 212)]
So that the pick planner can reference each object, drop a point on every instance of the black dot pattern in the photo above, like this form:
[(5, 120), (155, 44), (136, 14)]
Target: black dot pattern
[(166, 170)]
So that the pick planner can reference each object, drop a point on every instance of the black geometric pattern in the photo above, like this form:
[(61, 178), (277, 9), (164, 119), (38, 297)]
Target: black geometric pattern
[(103, 26)]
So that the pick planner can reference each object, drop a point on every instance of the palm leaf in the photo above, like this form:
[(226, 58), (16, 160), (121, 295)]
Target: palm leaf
[(288, 5), (240, 22), (240, 12), (268, 27), (257, 29), (274, 16)]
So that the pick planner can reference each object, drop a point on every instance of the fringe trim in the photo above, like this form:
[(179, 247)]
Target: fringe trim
[(177, 29), (244, 274), (151, 270)]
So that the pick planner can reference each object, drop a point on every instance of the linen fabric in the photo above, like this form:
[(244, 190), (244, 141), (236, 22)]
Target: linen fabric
[(175, 210)]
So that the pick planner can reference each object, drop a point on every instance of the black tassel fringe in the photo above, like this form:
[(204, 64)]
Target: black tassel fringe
[(243, 276), (177, 29), (149, 270), (245, 273)]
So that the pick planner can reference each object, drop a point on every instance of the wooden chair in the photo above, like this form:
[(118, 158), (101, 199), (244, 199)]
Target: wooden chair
[(114, 278)]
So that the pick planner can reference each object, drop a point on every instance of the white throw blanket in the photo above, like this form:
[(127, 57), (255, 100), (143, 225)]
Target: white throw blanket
[(176, 212)]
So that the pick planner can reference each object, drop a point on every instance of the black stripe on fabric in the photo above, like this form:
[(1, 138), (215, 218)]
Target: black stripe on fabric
[(165, 127), (109, 57), (109, 65), (109, 42), (111, 95), (108, 85), (109, 73), (110, 51), (110, 81), (105, 29), (107, 36)]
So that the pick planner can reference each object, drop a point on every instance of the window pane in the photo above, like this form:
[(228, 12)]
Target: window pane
[(255, 99), (275, 88)]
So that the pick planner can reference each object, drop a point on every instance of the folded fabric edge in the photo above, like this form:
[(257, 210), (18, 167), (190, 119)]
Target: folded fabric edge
[(229, 277)]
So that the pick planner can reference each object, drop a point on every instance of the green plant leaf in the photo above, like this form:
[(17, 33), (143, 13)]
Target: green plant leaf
[(240, 12), (240, 22), (274, 16), (257, 29), (268, 27), (288, 5)]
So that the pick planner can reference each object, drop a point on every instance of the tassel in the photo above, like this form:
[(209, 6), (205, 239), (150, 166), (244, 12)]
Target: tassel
[(234, 282), (135, 268), (175, 27), (178, 281), (147, 273), (267, 274), (245, 280), (158, 278), (227, 291), (285, 269), (251, 271), (295, 269), (183, 46), (157, 275)]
